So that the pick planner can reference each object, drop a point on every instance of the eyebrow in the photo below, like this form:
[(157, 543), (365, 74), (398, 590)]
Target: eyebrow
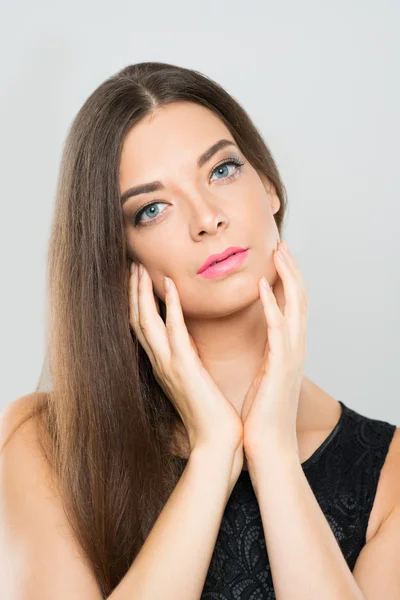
[(155, 186)]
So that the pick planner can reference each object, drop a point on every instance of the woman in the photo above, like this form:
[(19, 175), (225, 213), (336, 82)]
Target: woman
[(190, 453)]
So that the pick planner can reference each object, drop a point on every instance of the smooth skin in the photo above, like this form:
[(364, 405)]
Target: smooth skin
[(209, 418), (199, 214), (178, 369), (271, 403), (226, 321), (203, 211)]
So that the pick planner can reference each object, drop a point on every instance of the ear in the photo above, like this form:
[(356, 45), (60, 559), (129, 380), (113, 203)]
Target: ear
[(271, 193)]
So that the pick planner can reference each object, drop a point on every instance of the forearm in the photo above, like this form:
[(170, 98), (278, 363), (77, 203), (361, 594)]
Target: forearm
[(174, 560), (306, 560)]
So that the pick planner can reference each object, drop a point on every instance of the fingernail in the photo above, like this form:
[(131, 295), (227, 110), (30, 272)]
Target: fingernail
[(284, 247), (140, 270), (133, 267), (265, 283)]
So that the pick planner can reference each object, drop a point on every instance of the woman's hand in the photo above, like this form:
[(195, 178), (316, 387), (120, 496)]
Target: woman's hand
[(209, 418), (270, 406)]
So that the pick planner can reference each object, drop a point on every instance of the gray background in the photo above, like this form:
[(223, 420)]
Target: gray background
[(321, 82)]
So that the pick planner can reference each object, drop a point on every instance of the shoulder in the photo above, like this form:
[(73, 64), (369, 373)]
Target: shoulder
[(22, 462), (388, 491), (16, 409), (16, 413), (390, 474), (37, 543), (376, 569)]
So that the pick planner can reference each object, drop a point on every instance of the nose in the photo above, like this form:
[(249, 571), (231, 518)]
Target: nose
[(206, 216)]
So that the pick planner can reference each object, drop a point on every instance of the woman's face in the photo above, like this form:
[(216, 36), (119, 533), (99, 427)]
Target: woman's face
[(200, 210)]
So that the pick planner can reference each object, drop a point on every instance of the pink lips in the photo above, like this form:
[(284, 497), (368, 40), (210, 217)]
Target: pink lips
[(220, 256), (225, 266)]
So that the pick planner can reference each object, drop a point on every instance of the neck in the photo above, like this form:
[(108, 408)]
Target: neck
[(231, 348)]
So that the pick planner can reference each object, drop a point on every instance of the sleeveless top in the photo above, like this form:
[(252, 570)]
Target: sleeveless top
[(343, 474)]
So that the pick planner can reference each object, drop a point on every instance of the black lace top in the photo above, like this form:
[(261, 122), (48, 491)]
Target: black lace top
[(343, 474)]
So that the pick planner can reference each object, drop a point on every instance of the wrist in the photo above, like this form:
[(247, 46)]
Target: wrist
[(271, 453), (223, 460)]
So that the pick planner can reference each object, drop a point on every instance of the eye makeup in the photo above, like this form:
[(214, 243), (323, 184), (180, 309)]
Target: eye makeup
[(236, 161)]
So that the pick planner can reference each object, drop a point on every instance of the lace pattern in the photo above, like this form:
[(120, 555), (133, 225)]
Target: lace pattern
[(343, 474)]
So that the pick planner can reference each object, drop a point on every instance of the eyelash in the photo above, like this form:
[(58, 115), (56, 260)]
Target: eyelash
[(232, 160)]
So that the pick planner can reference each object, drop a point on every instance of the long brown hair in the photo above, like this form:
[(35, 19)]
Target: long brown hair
[(105, 425)]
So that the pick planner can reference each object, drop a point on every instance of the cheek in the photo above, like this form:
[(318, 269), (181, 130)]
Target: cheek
[(258, 213), (267, 236)]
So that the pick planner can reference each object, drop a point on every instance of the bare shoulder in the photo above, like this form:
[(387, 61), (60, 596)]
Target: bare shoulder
[(388, 491), (325, 412), (376, 569), (390, 474), (42, 557), (15, 410), (12, 415)]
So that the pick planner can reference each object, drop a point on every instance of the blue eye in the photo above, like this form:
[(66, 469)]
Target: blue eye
[(236, 162), (149, 207), (232, 161)]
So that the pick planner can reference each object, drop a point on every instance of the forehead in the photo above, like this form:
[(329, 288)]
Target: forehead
[(171, 137)]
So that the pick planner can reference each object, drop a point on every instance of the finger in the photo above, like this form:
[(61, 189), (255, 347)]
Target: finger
[(150, 321), (180, 341), (279, 293), (295, 297), (157, 303), (296, 269), (299, 327), (134, 313), (193, 344), (278, 339)]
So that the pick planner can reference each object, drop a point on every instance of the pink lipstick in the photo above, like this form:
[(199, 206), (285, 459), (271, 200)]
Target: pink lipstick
[(223, 267)]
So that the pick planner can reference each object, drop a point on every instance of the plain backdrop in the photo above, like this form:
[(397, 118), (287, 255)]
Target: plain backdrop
[(321, 82)]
